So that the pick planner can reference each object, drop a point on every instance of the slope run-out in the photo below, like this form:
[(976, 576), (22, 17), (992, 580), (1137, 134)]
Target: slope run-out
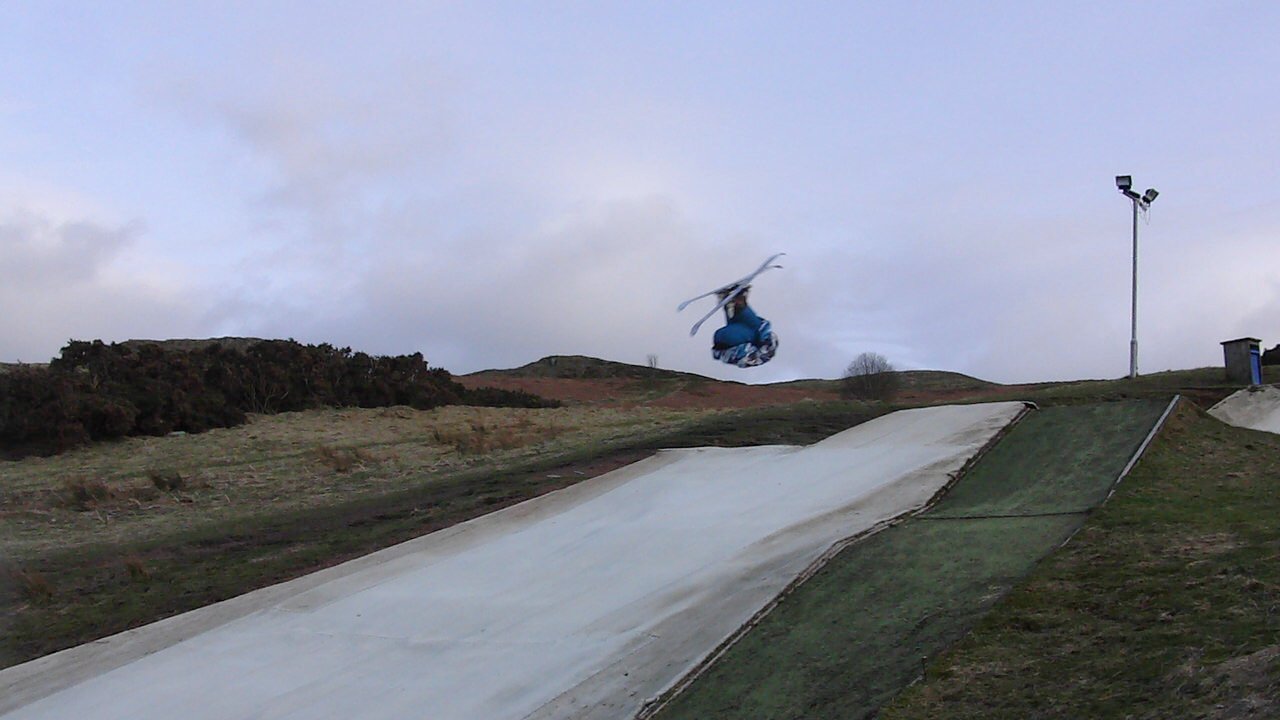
[(1257, 408), (583, 603)]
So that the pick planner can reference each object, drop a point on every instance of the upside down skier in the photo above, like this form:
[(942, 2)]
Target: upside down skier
[(746, 340)]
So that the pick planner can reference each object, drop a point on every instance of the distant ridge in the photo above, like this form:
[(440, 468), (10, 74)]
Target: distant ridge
[(239, 344), (583, 367), (942, 380), (10, 367), (922, 380)]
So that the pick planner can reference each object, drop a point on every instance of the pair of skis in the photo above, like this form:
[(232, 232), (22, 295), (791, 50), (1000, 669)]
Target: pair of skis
[(734, 289)]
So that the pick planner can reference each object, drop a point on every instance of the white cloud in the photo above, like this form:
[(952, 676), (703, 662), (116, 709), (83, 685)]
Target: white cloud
[(63, 279), (492, 188)]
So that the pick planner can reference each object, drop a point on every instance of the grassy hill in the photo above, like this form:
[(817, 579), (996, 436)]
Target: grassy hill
[(120, 534), (584, 367), (921, 381)]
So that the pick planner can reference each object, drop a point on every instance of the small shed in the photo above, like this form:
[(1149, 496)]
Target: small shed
[(1244, 360)]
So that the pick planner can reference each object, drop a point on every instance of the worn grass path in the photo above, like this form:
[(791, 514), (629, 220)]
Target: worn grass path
[(869, 623)]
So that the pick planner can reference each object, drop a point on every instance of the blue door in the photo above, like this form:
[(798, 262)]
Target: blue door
[(1255, 366)]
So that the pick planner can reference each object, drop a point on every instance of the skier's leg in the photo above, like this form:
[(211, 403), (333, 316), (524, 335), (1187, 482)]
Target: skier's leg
[(761, 353), (768, 350), (733, 355), (764, 332)]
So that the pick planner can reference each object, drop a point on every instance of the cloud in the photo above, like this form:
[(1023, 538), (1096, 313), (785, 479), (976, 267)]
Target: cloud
[(68, 279), (491, 192), (321, 138), (376, 236), (602, 279), (38, 253)]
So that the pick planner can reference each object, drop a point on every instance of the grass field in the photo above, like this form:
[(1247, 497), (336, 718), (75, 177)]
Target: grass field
[(1182, 559)]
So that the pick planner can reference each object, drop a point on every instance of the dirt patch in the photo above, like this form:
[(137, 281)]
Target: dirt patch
[(1250, 682), (1194, 547), (1245, 686)]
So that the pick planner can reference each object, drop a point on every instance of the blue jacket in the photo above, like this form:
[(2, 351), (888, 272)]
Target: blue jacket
[(744, 327)]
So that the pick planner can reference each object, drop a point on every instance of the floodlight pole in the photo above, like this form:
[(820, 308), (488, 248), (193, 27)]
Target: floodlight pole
[(1133, 337), (1124, 183)]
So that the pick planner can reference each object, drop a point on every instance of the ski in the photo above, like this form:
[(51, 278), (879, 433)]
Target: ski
[(737, 288), (763, 266)]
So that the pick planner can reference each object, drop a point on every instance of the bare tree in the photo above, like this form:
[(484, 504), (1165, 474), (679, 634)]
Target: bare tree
[(870, 377)]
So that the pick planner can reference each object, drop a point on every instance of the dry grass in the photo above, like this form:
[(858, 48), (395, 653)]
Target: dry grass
[(167, 480), (136, 568), (343, 459), (82, 494), (479, 437), (141, 487), (34, 586)]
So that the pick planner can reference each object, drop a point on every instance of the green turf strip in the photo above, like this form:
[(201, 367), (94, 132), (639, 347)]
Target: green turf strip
[(1058, 460), (1165, 605), (859, 630)]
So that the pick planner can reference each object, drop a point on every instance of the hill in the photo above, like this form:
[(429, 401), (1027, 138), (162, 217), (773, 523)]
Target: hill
[(239, 344), (915, 381), (588, 380), (580, 380), (127, 532), (580, 367)]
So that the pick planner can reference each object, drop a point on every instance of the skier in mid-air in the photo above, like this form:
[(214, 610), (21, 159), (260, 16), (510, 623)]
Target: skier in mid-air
[(746, 340)]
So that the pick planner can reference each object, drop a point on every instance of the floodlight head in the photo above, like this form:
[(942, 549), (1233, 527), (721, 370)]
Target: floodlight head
[(1124, 182), (1149, 195)]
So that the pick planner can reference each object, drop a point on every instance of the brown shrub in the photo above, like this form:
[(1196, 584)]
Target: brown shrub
[(343, 460), (137, 569), (85, 493), (33, 585), (167, 480)]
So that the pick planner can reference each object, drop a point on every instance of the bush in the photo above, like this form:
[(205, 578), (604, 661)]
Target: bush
[(85, 493), (870, 377), (41, 412), (95, 391), (495, 397)]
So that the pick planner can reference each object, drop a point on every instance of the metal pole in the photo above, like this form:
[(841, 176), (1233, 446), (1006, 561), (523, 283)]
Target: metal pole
[(1133, 342)]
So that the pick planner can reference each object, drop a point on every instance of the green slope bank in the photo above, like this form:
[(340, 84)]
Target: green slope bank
[(863, 627), (1165, 605)]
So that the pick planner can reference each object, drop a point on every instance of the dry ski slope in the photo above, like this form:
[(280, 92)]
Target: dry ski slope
[(584, 603)]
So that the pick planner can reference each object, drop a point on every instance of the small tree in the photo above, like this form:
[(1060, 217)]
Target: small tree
[(870, 377)]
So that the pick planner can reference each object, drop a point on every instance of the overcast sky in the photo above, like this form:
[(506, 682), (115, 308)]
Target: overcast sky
[(490, 183)]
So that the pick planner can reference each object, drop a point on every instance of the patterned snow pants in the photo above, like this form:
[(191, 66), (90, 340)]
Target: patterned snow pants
[(750, 354)]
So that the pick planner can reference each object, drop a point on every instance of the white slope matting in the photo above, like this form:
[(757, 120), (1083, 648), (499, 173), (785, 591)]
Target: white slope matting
[(1257, 408), (583, 603)]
